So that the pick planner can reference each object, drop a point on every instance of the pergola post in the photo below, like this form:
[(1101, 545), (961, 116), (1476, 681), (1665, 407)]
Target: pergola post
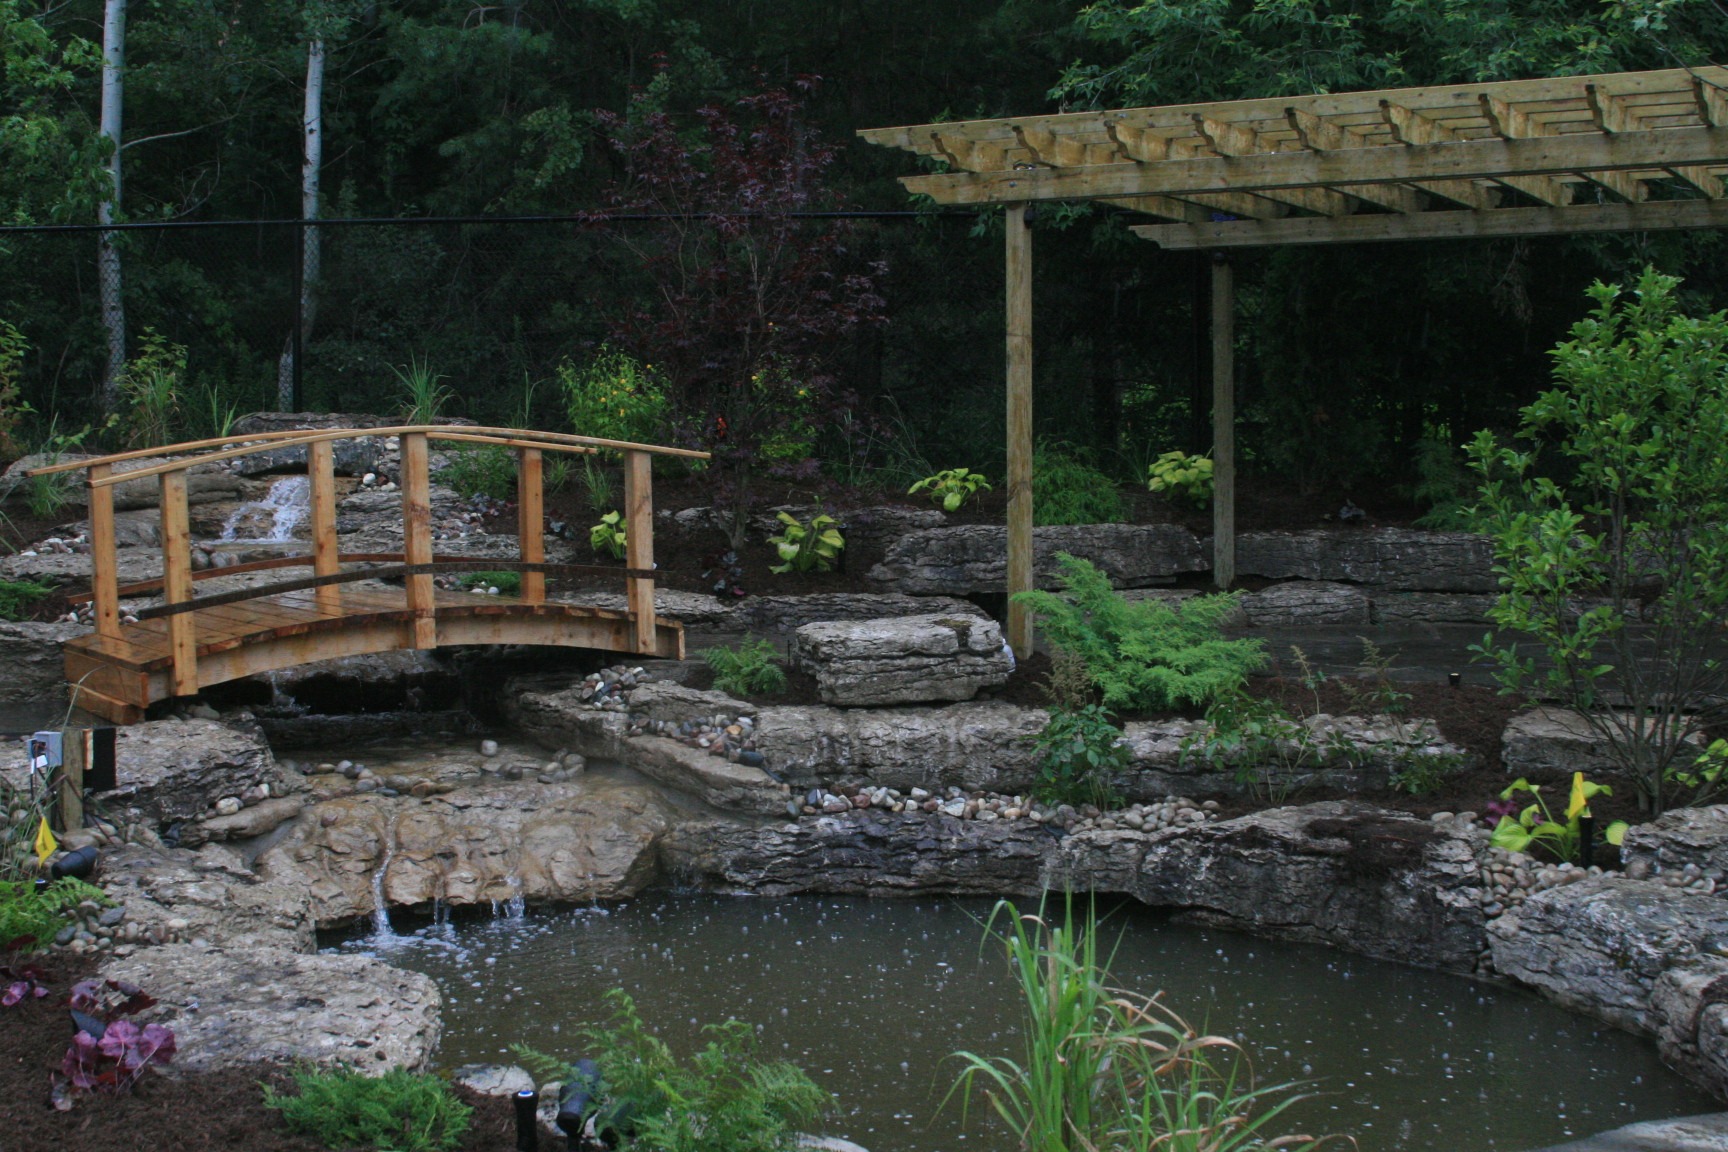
[(1223, 424), (1019, 306)]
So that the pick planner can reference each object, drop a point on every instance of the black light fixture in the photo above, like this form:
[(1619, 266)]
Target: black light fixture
[(527, 1120)]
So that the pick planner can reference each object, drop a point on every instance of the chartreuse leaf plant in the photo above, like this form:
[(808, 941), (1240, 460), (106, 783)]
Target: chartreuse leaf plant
[(951, 488), (1537, 825), (812, 547), (610, 536), (1180, 474)]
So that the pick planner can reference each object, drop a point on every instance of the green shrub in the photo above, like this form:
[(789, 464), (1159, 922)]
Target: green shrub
[(1146, 655), (812, 547), (747, 670), (1184, 475), (396, 1112), (30, 917), (1068, 489), (507, 583), (481, 470), (614, 397), (726, 1099), (150, 391), (1268, 749), (18, 597), (1077, 751), (13, 407)]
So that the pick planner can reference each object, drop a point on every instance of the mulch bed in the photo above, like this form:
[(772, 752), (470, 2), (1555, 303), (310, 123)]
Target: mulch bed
[(204, 1112)]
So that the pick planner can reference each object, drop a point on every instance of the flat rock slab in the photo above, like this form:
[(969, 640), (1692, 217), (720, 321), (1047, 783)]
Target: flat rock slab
[(969, 558), (905, 660), (209, 896), (1305, 603), (1338, 872), (865, 853), (715, 780), (177, 769), (1708, 1133), (1551, 743), (1432, 607), (261, 1005), (1396, 558), (1600, 945)]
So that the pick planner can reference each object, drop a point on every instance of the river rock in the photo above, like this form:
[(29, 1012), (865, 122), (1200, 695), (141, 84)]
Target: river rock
[(1680, 837), (178, 769), (1306, 603), (209, 895), (1344, 873), (864, 853), (1707, 1133), (493, 1079), (238, 1006), (557, 843), (907, 660), (1398, 558), (34, 669), (969, 558), (1600, 945)]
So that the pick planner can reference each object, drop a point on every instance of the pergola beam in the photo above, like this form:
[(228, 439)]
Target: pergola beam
[(1456, 225), (1504, 160)]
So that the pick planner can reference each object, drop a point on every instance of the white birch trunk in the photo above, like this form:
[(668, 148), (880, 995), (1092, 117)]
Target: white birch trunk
[(108, 255), (312, 162)]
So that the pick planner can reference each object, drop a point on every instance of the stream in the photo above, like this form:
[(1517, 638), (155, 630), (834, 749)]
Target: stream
[(870, 996)]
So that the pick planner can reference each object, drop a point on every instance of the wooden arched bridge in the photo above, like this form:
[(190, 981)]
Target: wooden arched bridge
[(190, 642)]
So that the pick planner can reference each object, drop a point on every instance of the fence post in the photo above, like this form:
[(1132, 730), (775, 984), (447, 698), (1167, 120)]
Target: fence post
[(531, 521), (177, 582), (417, 538), (639, 545)]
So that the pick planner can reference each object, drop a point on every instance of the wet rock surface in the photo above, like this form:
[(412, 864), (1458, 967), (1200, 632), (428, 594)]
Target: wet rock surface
[(1362, 878), (904, 660), (209, 896), (265, 1005)]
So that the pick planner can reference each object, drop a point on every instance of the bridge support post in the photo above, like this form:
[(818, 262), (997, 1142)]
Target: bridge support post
[(177, 583), (639, 545), (417, 539), (104, 579), (531, 522), (321, 470)]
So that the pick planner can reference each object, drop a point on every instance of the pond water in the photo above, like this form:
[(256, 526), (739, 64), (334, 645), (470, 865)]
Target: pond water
[(871, 996)]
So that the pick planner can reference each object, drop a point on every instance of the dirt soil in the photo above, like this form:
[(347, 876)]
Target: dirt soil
[(206, 1112)]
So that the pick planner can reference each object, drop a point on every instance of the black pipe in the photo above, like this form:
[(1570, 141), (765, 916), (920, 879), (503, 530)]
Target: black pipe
[(1586, 840), (527, 1120)]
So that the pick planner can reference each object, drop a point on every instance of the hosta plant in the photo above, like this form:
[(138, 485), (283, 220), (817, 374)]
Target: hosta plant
[(1182, 475), (951, 488), (1537, 825), (610, 535), (812, 547)]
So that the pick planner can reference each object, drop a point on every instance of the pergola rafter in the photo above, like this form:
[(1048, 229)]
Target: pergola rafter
[(1620, 152)]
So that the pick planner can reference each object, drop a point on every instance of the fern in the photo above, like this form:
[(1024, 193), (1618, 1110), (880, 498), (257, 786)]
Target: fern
[(1146, 655)]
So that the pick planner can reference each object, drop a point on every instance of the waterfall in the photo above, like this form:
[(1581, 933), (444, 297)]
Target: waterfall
[(381, 930), (287, 503)]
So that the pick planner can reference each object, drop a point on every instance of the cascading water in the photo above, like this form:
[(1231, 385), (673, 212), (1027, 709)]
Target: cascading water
[(381, 931), (287, 504)]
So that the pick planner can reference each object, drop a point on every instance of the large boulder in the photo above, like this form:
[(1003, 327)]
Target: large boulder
[(558, 843), (1306, 603), (205, 484), (789, 613), (1551, 743), (1690, 1005), (1396, 558), (131, 566), (170, 770), (1707, 1133), (865, 853), (1600, 945), (34, 669), (962, 560), (210, 896), (1675, 839), (261, 1005), (904, 660), (1361, 878)]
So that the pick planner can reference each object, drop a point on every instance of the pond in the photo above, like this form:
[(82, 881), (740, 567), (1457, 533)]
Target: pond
[(870, 997)]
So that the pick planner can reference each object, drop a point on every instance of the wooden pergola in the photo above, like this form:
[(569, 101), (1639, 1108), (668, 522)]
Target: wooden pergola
[(1621, 152)]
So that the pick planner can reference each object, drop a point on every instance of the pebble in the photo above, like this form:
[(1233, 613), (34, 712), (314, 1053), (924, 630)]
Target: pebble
[(228, 806), (488, 747)]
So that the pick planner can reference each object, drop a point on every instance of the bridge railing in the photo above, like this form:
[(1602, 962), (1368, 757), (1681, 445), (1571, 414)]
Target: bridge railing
[(418, 563)]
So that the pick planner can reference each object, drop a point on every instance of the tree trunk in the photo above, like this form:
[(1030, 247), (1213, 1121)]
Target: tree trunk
[(108, 254), (312, 162)]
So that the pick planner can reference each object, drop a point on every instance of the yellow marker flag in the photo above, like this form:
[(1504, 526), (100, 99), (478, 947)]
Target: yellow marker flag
[(1580, 804), (46, 845)]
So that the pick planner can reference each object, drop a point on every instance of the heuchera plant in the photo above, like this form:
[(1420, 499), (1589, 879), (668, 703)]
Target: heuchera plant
[(25, 982), (109, 1053)]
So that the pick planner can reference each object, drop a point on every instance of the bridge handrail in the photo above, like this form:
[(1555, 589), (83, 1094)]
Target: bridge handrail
[(273, 441), (415, 483)]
